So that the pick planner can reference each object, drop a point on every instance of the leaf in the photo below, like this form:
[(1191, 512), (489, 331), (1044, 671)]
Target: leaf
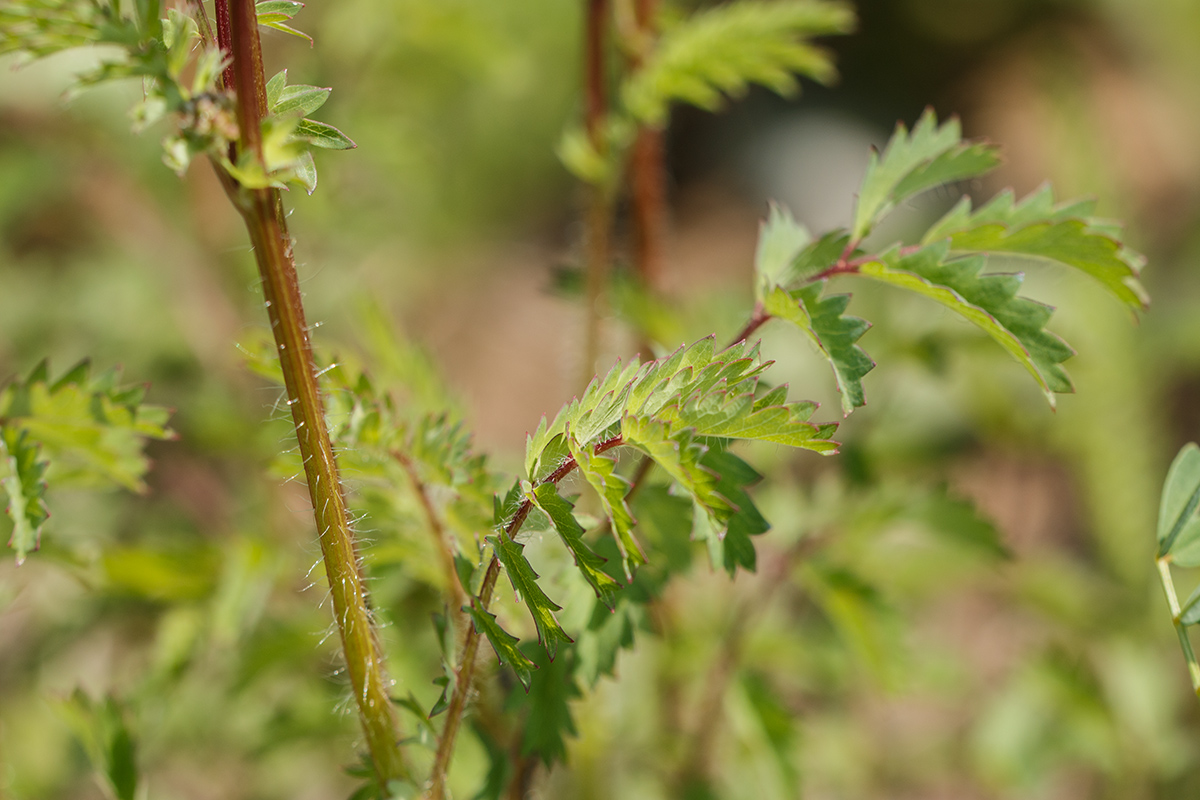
[(524, 582), (503, 642), (835, 335), (722, 50), (990, 301), (275, 87), (276, 20), (304, 172), (548, 721), (101, 730), (1037, 228), (601, 473), (320, 134), (780, 241), (734, 547), (284, 8), (680, 456), (300, 99), (1178, 522), (912, 163), (25, 486), (559, 510)]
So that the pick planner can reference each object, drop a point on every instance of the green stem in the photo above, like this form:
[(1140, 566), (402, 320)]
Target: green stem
[(262, 210), (1185, 642)]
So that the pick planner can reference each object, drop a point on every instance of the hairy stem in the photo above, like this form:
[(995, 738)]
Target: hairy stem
[(262, 210), (599, 214)]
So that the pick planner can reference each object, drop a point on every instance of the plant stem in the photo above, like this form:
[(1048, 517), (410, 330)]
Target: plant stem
[(442, 542), (262, 210), (599, 214), (647, 178), (1185, 642)]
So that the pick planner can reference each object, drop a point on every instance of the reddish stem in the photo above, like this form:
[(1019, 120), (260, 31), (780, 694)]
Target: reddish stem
[(225, 38)]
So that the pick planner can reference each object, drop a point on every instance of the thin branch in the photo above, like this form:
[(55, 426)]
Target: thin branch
[(442, 543)]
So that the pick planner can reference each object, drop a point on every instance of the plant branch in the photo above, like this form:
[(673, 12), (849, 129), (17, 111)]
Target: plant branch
[(262, 210), (647, 176), (599, 214), (442, 543)]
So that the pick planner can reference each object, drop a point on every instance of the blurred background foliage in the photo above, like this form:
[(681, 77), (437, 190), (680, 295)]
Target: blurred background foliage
[(959, 606)]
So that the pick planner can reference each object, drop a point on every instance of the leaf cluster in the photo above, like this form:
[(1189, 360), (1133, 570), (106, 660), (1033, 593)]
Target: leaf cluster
[(80, 429)]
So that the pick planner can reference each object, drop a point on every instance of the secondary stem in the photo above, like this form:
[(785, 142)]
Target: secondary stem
[(1185, 642), (262, 210), (599, 214), (647, 177)]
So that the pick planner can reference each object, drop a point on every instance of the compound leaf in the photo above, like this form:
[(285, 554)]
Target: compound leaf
[(601, 473), (1038, 228), (912, 163), (724, 49)]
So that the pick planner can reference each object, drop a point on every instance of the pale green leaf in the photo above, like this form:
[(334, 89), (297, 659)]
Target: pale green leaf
[(780, 241), (911, 163), (300, 99), (720, 51), (25, 486), (601, 474)]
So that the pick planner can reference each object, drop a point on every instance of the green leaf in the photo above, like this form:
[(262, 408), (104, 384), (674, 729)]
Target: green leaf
[(25, 486), (300, 99), (912, 163), (503, 642), (722, 50), (524, 582), (91, 430), (559, 510), (990, 301), (275, 87), (101, 730), (277, 19), (780, 241), (733, 548), (548, 721), (304, 172), (284, 8), (320, 134), (680, 456), (1038, 228), (1178, 522), (601, 473), (835, 335)]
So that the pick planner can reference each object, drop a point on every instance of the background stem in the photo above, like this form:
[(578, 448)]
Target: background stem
[(262, 210), (599, 215), (647, 178)]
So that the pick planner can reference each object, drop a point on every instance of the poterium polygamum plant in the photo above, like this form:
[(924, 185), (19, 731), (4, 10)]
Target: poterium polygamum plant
[(682, 414)]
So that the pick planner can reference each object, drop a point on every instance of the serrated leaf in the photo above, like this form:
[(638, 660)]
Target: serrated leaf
[(559, 510), (548, 722), (1037, 228), (25, 486), (680, 456), (780, 241), (912, 163), (601, 473), (733, 548), (1178, 522), (524, 582), (720, 51), (835, 335), (321, 134), (989, 301), (503, 642)]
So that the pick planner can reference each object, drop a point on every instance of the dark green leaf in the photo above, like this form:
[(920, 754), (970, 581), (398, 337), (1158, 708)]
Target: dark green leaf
[(524, 582), (503, 642), (548, 720), (571, 532)]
